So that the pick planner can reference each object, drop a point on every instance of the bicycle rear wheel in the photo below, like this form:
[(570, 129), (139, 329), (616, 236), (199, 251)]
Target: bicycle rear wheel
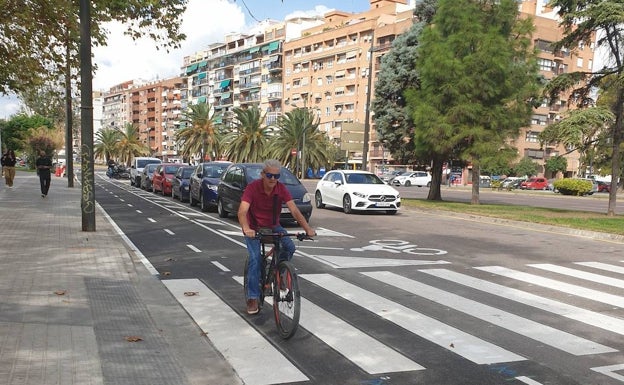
[(286, 300)]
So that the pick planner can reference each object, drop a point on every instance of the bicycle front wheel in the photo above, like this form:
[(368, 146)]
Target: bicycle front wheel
[(286, 300)]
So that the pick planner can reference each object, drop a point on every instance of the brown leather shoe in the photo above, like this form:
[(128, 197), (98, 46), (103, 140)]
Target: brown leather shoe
[(252, 306)]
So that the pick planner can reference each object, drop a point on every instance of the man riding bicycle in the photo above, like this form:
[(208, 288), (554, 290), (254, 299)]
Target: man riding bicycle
[(260, 207)]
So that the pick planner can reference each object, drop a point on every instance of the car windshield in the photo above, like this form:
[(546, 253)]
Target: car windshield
[(286, 177), (214, 170), (151, 167), (141, 163), (363, 179), (187, 172), (171, 169)]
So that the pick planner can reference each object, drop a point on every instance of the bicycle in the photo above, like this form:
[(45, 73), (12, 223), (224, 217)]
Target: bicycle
[(278, 279)]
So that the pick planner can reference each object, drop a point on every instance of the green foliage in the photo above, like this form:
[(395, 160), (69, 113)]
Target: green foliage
[(397, 73), (526, 167), (569, 186), (129, 145), (49, 29), (200, 136), (500, 162), (16, 130), (106, 144), (249, 138), (556, 164)]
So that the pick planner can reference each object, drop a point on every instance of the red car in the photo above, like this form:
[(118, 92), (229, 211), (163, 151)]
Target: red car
[(603, 186), (535, 183), (164, 173)]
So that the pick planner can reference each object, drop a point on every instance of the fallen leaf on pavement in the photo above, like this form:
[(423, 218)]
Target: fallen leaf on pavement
[(134, 339), (191, 293), (60, 292)]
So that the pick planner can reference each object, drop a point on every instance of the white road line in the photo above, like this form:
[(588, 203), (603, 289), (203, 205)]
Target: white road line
[(243, 347), (220, 266), (603, 266), (129, 205), (528, 381), (608, 371), (151, 220), (579, 291), (542, 333), (448, 337), (139, 211), (358, 347), (340, 262), (169, 232), (195, 249), (580, 274), (599, 320)]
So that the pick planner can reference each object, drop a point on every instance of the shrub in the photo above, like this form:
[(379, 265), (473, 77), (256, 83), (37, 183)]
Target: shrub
[(570, 186)]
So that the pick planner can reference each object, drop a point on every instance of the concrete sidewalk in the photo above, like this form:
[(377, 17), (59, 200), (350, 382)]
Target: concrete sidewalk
[(71, 302)]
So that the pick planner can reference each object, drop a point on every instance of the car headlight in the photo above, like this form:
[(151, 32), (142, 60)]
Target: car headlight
[(307, 197), (212, 187), (168, 180), (359, 194), (185, 188)]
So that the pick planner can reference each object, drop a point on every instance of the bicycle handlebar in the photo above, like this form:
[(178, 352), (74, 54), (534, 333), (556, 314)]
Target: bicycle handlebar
[(300, 236)]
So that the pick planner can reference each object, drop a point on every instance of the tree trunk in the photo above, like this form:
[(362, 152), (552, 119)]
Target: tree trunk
[(436, 180), (476, 179)]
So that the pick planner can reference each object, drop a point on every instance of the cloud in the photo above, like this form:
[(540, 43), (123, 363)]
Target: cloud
[(318, 10), (123, 59), (9, 106)]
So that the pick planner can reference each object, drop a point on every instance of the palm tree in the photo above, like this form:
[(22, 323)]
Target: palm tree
[(199, 136), (107, 144), (249, 139), (129, 144), (298, 129)]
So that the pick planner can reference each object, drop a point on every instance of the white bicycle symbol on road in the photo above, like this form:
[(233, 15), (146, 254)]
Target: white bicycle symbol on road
[(398, 246)]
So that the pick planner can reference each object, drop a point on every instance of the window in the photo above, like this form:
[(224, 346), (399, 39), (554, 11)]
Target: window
[(579, 62), (532, 137), (545, 64)]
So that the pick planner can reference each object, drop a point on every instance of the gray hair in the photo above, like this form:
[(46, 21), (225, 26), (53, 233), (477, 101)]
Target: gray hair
[(272, 163)]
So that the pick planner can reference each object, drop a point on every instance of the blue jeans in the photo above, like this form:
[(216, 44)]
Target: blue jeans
[(254, 264)]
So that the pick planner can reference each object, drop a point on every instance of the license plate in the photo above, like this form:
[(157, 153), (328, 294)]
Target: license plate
[(285, 210), (383, 204)]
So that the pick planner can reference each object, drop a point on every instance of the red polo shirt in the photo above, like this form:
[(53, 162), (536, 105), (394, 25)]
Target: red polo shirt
[(260, 212)]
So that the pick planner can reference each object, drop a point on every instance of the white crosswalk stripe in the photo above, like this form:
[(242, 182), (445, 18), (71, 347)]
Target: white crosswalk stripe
[(241, 344), (542, 333)]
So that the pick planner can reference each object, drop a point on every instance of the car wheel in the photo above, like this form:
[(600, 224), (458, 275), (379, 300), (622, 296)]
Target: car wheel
[(221, 209), (408, 183), (202, 202), (318, 200), (428, 184), (137, 182), (192, 200), (391, 212), (346, 204)]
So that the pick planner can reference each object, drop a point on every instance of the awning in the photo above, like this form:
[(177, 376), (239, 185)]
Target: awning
[(191, 68), (339, 89), (265, 48), (254, 49), (225, 83), (351, 54), (274, 45), (201, 99), (272, 59), (339, 74), (202, 75), (203, 64), (225, 95)]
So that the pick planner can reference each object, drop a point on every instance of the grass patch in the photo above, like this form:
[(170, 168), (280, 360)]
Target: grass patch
[(582, 220)]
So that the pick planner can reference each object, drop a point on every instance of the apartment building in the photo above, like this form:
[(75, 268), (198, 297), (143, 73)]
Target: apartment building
[(154, 108)]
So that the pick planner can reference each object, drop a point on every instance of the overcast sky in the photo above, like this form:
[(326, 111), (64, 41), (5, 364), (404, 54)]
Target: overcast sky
[(205, 22)]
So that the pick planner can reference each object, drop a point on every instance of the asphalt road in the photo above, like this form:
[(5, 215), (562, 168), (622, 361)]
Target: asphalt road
[(414, 298)]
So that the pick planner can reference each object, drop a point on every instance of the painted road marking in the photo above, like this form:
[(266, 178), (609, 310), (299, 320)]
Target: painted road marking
[(220, 266), (599, 320), (358, 347), (226, 329), (609, 371), (340, 262), (542, 333), (580, 274), (579, 291), (195, 249), (603, 266), (465, 345), (169, 232)]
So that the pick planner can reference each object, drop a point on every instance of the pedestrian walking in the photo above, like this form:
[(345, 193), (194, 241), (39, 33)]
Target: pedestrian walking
[(8, 161), (44, 165)]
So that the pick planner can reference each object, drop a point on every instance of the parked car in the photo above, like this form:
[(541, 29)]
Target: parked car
[(603, 186), (203, 184), (535, 183), (508, 183), (180, 184), (239, 175), (147, 175), (136, 169), (594, 185), (415, 178), (161, 181), (387, 177), (356, 190)]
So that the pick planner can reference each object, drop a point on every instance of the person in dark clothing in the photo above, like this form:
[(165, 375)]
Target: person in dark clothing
[(44, 164), (8, 167)]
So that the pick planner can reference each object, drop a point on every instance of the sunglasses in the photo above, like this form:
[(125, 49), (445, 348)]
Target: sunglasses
[(270, 175)]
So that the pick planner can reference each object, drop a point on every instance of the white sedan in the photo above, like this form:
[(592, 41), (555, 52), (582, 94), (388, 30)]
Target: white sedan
[(356, 190)]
